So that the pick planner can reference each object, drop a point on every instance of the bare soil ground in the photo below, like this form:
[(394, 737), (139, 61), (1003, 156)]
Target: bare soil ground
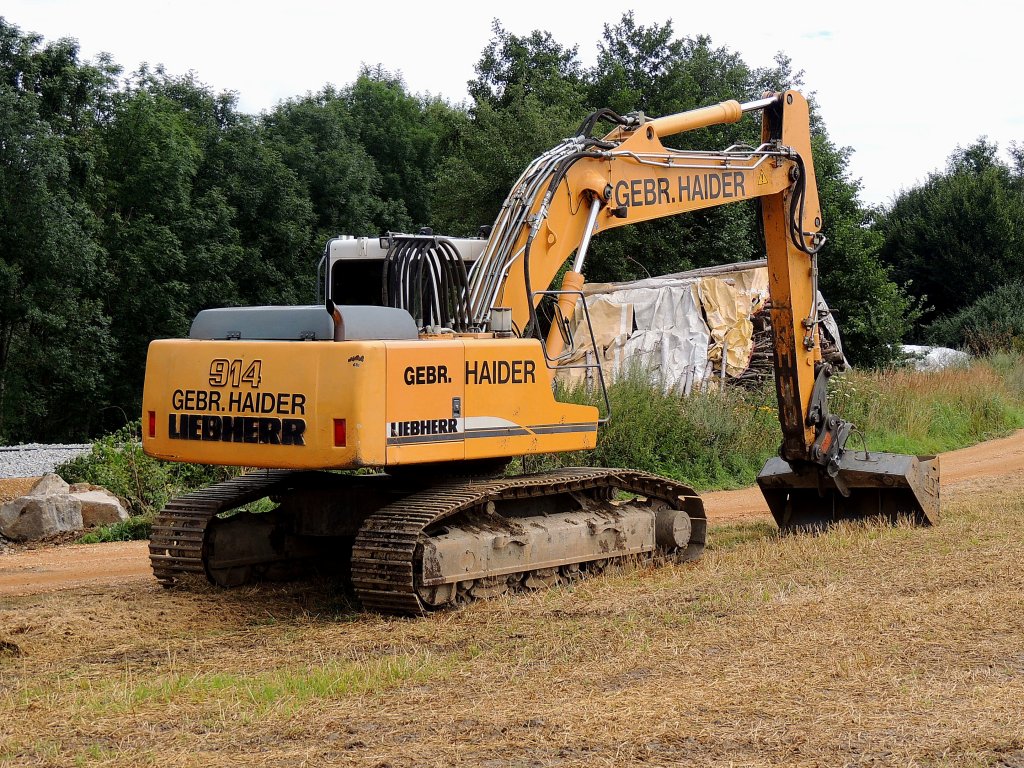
[(52, 568), (867, 645), (13, 487)]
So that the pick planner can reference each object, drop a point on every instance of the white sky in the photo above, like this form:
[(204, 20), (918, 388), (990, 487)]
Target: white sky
[(902, 84)]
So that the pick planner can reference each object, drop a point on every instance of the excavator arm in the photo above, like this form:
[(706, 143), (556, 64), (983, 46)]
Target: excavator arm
[(586, 186)]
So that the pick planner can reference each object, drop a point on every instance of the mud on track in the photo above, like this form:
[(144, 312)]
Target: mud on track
[(69, 567)]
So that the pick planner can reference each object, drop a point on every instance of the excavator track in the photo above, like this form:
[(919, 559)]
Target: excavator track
[(384, 558), (387, 548), (176, 542)]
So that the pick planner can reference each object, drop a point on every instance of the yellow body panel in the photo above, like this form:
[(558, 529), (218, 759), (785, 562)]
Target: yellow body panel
[(510, 408), (274, 403)]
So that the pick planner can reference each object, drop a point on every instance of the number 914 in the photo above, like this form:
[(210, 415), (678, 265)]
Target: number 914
[(235, 373)]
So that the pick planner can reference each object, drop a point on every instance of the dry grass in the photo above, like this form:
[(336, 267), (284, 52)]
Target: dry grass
[(865, 646)]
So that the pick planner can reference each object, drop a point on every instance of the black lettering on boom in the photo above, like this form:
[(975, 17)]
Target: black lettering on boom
[(689, 188)]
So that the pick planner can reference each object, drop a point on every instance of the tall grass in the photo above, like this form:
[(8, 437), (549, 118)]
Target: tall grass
[(907, 411), (714, 440)]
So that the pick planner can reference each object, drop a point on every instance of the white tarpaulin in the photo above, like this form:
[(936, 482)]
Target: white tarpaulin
[(658, 327), (677, 325)]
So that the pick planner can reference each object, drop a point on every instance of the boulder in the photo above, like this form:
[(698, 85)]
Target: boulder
[(35, 517), (49, 484), (100, 507), (83, 487)]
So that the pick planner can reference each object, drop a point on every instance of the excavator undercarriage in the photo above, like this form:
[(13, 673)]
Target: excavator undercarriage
[(409, 547)]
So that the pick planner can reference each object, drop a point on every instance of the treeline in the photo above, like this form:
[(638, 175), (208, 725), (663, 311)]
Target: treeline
[(957, 242), (129, 203)]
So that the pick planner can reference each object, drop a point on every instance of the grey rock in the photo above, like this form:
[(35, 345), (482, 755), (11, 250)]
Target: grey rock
[(35, 517), (83, 487), (100, 507), (49, 484)]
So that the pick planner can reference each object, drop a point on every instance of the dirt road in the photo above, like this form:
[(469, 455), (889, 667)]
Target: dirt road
[(58, 568)]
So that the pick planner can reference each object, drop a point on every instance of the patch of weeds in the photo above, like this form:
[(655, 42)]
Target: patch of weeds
[(676, 620), (47, 749), (134, 528), (708, 440), (95, 753), (329, 680), (258, 507), (118, 463), (707, 606)]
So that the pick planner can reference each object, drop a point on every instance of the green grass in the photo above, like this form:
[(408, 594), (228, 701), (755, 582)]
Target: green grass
[(918, 412), (284, 688), (721, 537), (134, 528), (710, 441)]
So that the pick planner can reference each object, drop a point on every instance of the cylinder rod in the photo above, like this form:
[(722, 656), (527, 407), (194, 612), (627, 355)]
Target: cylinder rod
[(764, 103), (725, 112), (581, 252)]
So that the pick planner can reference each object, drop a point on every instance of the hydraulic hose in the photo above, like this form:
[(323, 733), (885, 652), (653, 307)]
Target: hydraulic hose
[(556, 178)]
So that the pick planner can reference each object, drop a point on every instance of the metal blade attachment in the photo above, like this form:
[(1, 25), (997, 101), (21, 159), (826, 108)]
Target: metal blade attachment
[(888, 486)]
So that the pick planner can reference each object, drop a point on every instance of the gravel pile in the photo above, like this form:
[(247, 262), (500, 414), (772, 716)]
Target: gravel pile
[(35, 459)]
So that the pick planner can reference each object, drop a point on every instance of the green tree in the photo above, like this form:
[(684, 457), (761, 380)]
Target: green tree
[(992, 323), (274, 252), (54, 340), (493, 151), (405, 135), (528, 96), (960, 233), (874, 314), (512, 68), (651, 70), (530, 93), (150, 161), (201, 211), (316, 136)]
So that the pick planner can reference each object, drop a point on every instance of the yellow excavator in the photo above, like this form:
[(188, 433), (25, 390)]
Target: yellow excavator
[(425, 368)]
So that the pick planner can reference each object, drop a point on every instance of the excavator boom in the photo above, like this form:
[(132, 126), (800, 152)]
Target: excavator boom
[(590, 186)]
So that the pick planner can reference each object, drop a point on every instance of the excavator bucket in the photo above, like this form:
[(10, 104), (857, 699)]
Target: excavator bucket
[(886, 486)]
